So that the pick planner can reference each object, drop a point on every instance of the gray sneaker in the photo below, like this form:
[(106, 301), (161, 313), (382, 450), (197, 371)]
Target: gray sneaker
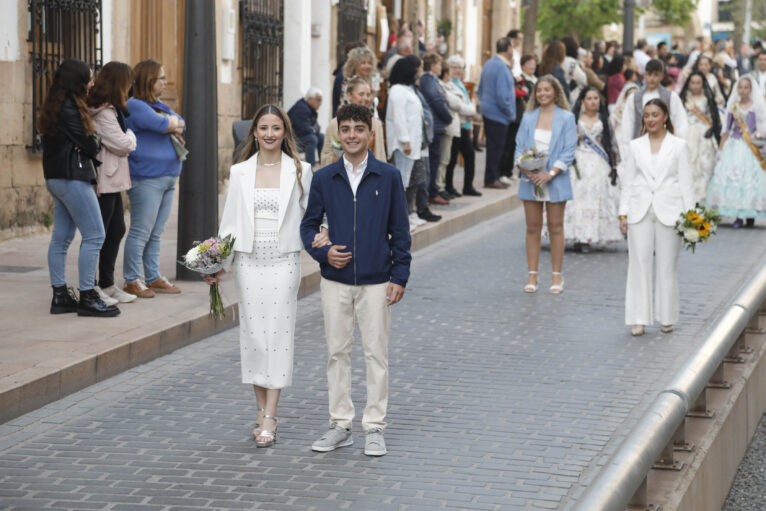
[(334, 438), (374, 444)]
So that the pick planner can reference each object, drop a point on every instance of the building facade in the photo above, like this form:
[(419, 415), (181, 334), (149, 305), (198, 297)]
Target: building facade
[(267, 51)]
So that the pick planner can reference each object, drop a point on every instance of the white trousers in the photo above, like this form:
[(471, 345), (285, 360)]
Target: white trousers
[(647, 239), (341, 303)]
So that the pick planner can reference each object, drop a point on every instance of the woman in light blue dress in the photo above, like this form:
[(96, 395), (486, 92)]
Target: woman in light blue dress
[(738, 185), (547, 126)]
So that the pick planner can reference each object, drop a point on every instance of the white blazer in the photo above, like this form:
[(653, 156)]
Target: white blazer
[(404, 121), (238, 217), (668, 189)]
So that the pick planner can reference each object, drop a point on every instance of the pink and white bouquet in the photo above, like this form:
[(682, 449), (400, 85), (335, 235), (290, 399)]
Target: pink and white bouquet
[(208, 258), (534, 161)]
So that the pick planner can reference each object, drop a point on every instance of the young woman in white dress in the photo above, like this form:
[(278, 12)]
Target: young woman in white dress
[(656, 188), (590, 215), (704, 130), (268, 193)]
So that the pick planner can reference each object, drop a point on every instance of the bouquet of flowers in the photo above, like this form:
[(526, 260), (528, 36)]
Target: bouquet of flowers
[(336, 147), (207, 258), (759, 139), (534, 161), (697, 225)]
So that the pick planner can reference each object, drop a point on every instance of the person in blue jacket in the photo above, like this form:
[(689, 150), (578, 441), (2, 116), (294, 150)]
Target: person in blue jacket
[(154, 169), (434, 96), (497, 99), (548, 127), (364, 272)]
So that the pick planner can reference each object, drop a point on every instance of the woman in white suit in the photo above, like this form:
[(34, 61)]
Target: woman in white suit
[(268, 193), (657, 186)]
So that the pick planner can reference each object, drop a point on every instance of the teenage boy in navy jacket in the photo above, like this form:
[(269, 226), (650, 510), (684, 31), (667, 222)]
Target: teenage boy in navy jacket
[(364, 272)]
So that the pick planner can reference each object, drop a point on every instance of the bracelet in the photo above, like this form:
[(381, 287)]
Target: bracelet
[(622, 217)]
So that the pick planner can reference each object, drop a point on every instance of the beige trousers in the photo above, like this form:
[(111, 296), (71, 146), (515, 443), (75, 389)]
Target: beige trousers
[(341, 303), (446, 148)]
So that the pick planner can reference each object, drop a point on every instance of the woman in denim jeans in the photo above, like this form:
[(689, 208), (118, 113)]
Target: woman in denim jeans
[(154, 169), (70, 146)]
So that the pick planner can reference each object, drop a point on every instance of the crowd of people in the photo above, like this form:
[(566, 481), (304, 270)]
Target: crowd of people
[(97, 143), (605, 145)]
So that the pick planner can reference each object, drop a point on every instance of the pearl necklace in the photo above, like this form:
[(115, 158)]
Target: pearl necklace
[(270, 164)]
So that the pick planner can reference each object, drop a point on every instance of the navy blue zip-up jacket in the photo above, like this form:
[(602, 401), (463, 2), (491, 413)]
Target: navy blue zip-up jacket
[(374, 225)]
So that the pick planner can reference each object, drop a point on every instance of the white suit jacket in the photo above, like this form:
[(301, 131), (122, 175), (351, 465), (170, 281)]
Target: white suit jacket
[(238, 217), (668, 189)]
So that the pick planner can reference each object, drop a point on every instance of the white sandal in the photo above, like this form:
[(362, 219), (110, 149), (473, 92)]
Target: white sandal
[(268, 434), (531, 288), (557, 289)]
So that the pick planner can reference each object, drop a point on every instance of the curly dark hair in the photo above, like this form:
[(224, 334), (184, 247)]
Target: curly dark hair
[(354, 113), (70, 80)]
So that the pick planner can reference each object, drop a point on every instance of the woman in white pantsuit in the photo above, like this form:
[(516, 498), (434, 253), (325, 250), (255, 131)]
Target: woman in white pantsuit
[(268, 192), (657, 186)]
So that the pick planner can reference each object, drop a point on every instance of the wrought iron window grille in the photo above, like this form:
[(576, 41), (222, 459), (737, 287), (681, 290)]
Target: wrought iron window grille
[(352, 23), (262, 32), (60, 30)]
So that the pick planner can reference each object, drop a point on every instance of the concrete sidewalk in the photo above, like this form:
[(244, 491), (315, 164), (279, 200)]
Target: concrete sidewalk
[(45, 357)]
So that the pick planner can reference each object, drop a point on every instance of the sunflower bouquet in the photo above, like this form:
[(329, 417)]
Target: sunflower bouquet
[(696, 226)]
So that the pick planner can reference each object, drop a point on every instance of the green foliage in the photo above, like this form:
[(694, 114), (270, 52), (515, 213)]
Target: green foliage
[(581, 18), (444, 26), (46, 219), (675, 12)]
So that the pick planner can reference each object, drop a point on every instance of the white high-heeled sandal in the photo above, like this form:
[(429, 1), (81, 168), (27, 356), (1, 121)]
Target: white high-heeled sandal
[(557, 289), (531, 288)]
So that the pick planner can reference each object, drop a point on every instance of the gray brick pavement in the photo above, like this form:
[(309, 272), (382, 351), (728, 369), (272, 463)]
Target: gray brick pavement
[(499, 399)]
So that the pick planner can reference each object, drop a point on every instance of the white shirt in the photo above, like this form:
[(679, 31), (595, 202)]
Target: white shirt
[(762, 81), (677, 116), (641, 59), (354, 178), (516, 64)]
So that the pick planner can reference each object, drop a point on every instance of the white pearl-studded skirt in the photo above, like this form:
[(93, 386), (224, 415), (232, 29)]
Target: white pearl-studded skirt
[(268, 282)]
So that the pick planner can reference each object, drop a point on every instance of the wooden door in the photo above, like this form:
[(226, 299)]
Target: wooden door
[(157, 33), (486, 31)]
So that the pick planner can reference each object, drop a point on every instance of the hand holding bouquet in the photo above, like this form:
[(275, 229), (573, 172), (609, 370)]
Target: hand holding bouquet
[(696, 226), (534, 161), (208, 258)]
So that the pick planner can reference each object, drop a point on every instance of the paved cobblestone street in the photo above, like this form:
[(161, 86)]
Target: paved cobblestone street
[(499, 399)]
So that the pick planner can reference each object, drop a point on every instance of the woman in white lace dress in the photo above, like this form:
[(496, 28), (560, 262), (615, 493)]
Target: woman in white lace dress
[(590, 215), (704, 130), (268, 193)]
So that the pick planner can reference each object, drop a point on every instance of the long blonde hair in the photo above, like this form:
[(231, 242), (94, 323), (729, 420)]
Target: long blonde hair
[(559, 99), (288, 142)]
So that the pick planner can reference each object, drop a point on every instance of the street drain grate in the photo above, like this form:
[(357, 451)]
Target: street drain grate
[(19, 269)]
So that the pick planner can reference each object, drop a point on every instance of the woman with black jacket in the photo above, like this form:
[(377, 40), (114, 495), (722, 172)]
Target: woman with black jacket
[(70, 146)]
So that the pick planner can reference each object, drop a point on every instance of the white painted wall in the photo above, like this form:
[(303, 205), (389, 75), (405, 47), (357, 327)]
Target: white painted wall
[(321, 52), (297, 51), (106, 26), (9, 31)]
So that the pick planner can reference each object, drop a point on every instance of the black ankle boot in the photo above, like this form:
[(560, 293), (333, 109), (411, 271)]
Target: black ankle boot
[(64, 300), (92, 305)]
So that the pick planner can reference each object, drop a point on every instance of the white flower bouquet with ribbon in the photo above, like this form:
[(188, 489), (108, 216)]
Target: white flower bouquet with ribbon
[(207, 258), (534, 161)]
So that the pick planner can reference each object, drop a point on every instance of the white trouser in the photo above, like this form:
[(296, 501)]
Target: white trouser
[(648, 238), (340, 304)]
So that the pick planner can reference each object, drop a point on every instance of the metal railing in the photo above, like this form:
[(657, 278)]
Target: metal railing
[(622, 482)]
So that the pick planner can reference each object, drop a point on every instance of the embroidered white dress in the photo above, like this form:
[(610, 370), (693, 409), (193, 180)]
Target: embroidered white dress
[(268, 282), (701, 149), (591, 217)]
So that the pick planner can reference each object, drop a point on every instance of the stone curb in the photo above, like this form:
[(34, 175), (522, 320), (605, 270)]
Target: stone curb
[(46, 385)]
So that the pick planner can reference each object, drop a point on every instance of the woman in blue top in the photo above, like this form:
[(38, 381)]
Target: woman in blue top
[(547, 126), (154, 169)]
